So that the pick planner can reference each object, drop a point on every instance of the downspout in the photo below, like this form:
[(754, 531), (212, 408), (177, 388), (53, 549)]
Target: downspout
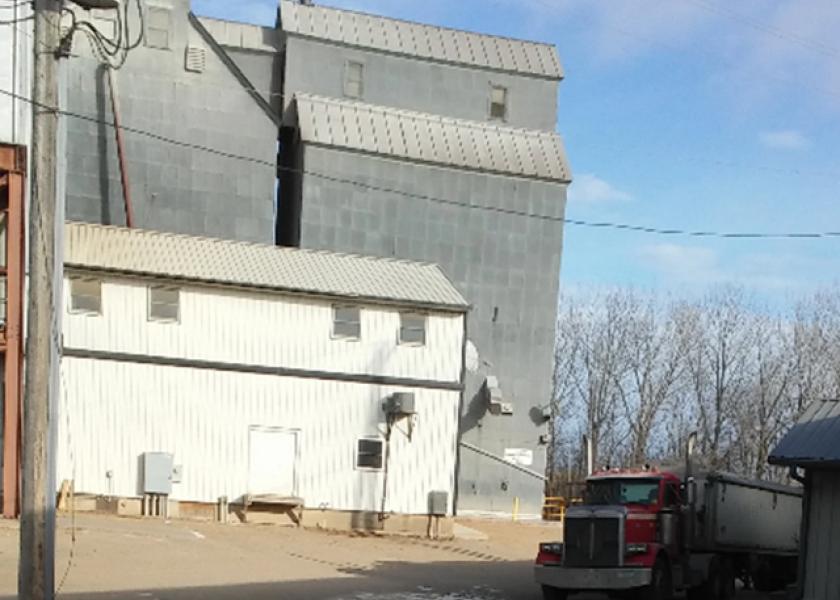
[(126, 188), (459, 433)]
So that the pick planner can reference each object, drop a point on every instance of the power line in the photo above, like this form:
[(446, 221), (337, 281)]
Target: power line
[(767, 29), (508, 211), (16, 21)]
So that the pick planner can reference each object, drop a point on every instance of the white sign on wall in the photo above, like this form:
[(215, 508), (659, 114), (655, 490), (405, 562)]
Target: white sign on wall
[(519, 456)]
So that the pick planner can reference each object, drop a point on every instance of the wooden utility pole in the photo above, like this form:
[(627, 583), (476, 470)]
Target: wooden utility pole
[(36, 569)]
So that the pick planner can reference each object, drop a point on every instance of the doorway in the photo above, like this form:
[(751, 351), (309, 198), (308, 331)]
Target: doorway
[(273, 457)]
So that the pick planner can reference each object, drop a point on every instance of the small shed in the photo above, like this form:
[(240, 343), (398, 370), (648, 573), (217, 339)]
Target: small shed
[(236, 371), (813, 444)]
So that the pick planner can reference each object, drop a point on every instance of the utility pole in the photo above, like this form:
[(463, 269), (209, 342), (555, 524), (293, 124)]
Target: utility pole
[(36, 569)]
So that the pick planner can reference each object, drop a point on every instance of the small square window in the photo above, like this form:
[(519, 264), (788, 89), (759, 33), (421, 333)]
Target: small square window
[(86, 296), (412, 329), (369, 453), (158, 27), (498, 102), (354, 73), (347, 323), (164, 304)]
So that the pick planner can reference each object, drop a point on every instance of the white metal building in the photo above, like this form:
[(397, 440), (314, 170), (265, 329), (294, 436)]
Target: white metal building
[(813, 445), (260, 369)]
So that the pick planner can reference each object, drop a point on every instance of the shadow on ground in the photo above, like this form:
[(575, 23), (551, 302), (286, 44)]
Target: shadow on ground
[(384, 581)]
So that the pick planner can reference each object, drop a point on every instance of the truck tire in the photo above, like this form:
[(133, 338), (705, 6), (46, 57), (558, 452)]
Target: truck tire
[(727, 581), (711, 588), (661, 583), (553, 593)]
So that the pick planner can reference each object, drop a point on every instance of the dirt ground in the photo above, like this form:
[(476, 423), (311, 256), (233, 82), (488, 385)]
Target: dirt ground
[(149, 559)]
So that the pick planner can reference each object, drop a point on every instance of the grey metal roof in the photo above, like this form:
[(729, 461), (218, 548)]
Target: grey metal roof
[(240, 264), (815, 439), (415, 39), (431, 138), (242, 35)]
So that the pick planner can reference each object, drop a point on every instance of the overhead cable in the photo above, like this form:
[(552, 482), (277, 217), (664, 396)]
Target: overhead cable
[(388, 190)]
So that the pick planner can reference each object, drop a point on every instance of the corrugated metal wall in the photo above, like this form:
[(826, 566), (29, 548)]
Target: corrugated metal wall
[(266, 330), (112, 412), (822, 559), (15, 74)]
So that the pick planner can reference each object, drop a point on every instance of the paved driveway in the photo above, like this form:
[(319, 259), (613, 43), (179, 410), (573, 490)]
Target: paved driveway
[(148, 559)]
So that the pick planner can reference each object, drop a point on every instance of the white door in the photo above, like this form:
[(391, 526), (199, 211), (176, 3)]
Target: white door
[(273, 456)]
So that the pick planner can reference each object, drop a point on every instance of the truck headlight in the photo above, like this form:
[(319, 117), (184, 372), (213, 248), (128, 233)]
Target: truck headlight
[(552, 548)]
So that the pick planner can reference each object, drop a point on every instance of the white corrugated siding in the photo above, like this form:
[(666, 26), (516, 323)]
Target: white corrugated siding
[(113, 412), (822, 575), (264, 329), (15, 73)]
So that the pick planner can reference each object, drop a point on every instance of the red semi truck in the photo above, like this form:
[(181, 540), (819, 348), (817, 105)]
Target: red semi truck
[(649, 533)]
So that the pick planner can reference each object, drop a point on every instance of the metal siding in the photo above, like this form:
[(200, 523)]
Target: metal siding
[(264, 330), (517, 347), (424, 136), (401, 81), (822, 577), (417, 39), (111, 413), (15, 55)]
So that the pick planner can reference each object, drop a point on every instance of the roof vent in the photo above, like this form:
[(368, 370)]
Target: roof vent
[(196, 59)]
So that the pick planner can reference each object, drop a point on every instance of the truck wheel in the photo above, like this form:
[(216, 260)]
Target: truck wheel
[(661, 584), (727, 581), (553, 593), (709, 589)]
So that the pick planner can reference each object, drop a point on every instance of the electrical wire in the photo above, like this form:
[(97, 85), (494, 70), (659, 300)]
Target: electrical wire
[(16, 21), (394, 191), (767, 29), (112, 52)]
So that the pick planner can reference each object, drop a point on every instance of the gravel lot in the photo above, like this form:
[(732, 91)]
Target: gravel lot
[(148, 559)]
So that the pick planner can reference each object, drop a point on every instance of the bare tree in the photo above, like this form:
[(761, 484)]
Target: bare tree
[(717, 357), (592, 357), (655, 365), (637, 375)]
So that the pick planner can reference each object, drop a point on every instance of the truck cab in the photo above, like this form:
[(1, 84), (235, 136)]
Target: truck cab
[(628, 523), (648, 533)]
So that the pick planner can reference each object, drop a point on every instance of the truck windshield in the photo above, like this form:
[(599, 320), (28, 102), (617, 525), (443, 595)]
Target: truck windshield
[(622, 491)]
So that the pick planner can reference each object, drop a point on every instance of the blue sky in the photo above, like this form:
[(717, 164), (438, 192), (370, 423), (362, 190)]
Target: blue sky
[(692, 114)]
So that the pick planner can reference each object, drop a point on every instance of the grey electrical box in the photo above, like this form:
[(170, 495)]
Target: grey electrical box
[(399, 403), (438, 503), (157, 473)]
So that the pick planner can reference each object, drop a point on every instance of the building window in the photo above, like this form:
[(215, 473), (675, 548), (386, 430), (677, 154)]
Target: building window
[(158, 27), (347, 322), (164, 304), (498, 102), (354, 73), (369, 453), (86, 296), (412, 329)]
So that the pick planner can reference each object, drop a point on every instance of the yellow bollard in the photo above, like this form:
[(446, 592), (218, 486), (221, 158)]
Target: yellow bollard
[(516, 508)]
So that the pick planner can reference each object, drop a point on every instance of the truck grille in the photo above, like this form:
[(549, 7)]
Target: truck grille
[(591, 542)]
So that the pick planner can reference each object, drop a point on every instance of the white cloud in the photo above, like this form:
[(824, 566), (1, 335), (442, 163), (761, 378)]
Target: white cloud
[(682, 267), (591, 189), (784, 139), (682, 264)]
